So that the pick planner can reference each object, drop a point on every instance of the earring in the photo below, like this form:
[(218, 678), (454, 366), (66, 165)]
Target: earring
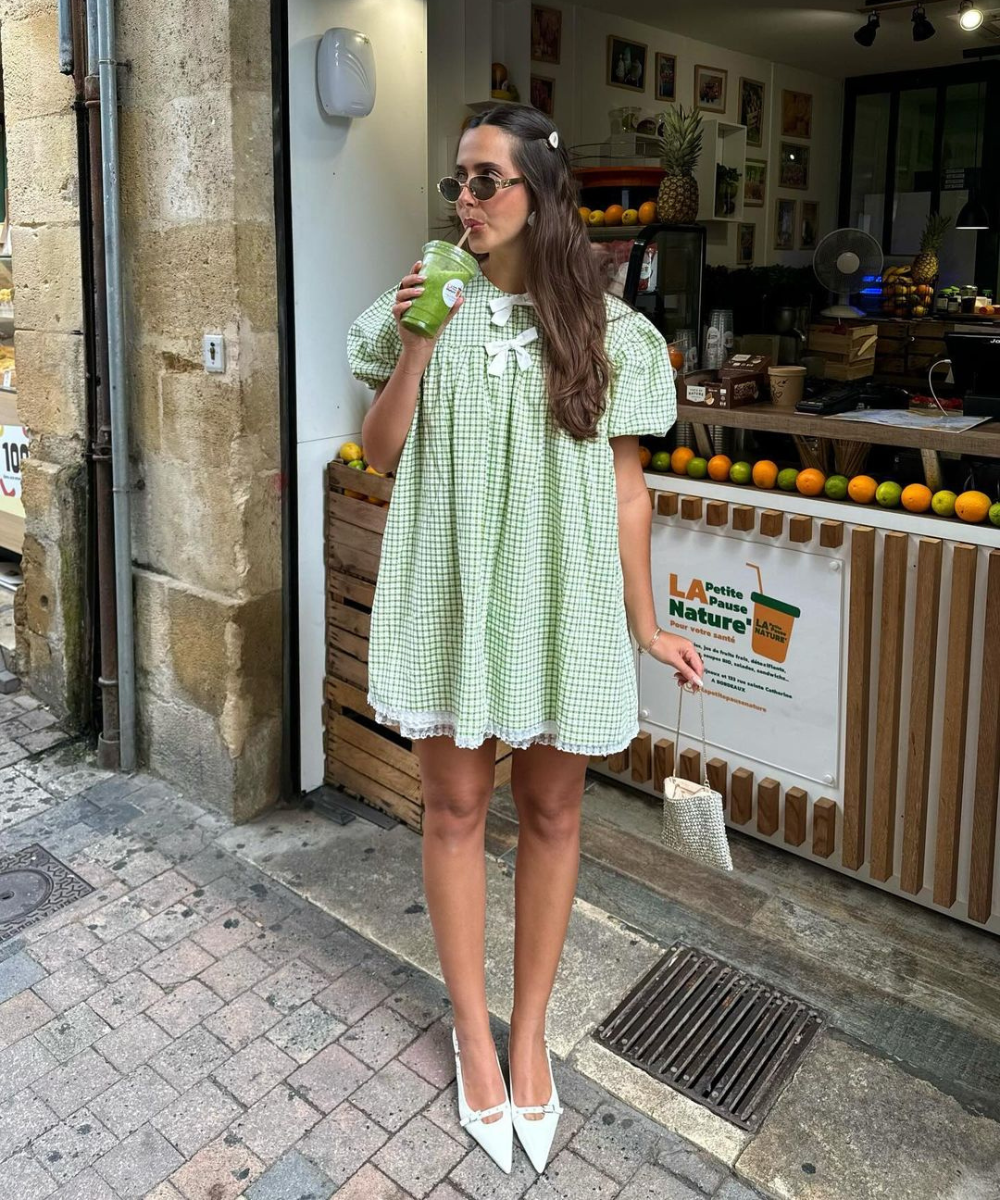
[(531, 217)]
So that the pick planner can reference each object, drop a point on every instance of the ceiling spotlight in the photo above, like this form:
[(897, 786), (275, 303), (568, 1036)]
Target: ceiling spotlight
[(922, 28), (969, 17), (865, 36)]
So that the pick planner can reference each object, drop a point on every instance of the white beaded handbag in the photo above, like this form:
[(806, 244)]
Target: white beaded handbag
[(694, 823)]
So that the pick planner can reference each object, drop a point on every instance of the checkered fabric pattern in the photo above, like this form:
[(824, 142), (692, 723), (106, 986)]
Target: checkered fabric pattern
[(499, 609)]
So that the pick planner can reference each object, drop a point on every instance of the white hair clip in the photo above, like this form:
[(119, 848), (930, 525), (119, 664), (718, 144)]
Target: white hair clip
[(554, 140)]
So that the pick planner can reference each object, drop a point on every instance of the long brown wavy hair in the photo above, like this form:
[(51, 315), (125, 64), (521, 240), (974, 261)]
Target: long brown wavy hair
[(562, 274)]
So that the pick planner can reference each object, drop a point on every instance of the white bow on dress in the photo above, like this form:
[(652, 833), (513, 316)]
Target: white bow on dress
[(499, 352), (503, 306)]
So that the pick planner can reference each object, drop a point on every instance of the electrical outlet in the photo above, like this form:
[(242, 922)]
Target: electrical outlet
[(214, 346)]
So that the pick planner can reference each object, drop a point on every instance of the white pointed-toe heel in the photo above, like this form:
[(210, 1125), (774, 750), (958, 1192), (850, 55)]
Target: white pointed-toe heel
[(495, 1137), (536, 1136)]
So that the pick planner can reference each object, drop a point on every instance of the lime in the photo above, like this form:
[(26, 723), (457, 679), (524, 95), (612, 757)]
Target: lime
[(888, 494), (660, 460), (698, 468), (995, 514), (741, 472), (836, 487), (358, 464), (943, 503), (787, 478)]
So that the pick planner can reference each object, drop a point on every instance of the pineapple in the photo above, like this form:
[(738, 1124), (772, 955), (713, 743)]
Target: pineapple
[(677, 202), (925, 265)]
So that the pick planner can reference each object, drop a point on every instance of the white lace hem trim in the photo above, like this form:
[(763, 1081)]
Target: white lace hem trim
[(417, 725)]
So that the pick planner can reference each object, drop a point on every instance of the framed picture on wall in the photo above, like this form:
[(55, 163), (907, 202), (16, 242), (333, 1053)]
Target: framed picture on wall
[(794, 172), (752, 110), (543, 94), (626, 64), (710, 89), (546, 34), (666, 77), (809, 228), (796, 114), (746, 236), (784, 224), (754, 182)]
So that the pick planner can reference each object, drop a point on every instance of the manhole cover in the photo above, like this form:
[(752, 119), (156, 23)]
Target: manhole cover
[(33, 885), (720, 1036)]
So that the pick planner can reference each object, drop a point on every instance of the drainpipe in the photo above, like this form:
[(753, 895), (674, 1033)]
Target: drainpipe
[(108, 742), (66, 37), (116, 380)]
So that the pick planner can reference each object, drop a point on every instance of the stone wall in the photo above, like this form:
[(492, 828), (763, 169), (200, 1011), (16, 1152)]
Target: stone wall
[(49, 348), (198, 229)]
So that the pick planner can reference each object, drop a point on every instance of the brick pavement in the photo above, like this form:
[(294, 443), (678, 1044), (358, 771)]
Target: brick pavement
[(193, 1030)]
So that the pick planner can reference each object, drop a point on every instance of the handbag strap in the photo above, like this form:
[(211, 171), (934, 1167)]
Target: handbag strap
[(704, 745)]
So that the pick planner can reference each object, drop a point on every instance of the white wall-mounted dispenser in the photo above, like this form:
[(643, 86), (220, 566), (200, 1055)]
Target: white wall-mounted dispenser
[(345, 68)]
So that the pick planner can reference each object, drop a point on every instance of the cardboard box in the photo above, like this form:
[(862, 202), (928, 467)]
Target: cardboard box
[(705, 389), (742, 364)]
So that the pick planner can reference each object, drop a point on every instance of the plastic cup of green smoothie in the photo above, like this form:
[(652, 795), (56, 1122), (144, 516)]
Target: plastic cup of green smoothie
[(446, 270)]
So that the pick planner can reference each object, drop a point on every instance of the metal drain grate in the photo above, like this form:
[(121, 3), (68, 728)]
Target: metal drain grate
[(716, 1034), (33, 885)]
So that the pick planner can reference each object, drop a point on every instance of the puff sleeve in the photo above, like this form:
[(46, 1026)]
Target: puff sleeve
[(642, 398), (373, 345)]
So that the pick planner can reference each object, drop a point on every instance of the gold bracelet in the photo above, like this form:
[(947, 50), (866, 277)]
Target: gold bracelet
[(646, 649)]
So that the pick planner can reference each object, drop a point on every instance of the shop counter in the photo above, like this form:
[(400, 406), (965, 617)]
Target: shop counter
[(852, 697)]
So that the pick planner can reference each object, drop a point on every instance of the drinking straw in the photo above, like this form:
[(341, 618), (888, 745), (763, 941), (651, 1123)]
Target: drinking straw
[(464, 236), (760, 582)]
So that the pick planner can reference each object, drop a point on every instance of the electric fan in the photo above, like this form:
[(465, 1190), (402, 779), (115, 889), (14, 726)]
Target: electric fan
[(843, 261)]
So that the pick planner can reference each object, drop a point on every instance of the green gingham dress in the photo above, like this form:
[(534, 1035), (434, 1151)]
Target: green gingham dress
[(499, 608)]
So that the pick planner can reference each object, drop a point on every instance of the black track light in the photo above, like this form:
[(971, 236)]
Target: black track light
[(865, 36), (922, 28)]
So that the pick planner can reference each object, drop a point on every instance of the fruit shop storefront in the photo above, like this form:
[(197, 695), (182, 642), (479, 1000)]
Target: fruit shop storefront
[(841, 577)]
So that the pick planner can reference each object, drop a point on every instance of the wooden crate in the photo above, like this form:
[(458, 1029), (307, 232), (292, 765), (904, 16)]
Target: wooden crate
[(848, 351), (369, 760)]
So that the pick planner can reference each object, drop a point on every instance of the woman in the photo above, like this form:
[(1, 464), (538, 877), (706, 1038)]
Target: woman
[(516, 553)]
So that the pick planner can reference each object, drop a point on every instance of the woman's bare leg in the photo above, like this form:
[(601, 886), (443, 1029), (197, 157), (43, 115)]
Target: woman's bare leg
[(457, 786), (547, 785)]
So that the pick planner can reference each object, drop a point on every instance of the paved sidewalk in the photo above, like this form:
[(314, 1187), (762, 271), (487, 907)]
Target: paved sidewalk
[(194, 1029)]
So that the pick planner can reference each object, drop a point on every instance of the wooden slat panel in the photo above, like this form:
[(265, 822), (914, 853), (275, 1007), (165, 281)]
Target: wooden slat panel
[(831, 534), (399, 782), (663, 762), (956, 722), (690, 765), (354, 537), (352, 619), (667, 504), (772, 523), (356, 512), (717, 513), (918, 756), (642, 757), (352, 561), (374, 793), (350, 643), (349, 588), (343, 666), (691, 507), (824, 827), (618, 762), (800, 529), (347, 696), (741, 790), (339, 475), (859, 663), (652, 498), (795, 816), (768, 802), (743, 518), (382, 750), (718, 778), (504, 767), (895, 551), (984, 811), (598, 758)]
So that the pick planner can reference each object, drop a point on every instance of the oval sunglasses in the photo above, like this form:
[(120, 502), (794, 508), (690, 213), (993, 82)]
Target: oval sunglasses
[(481, 187)]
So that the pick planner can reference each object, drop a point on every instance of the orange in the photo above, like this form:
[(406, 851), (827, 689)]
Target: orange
[(680, 458), (647, 212), (862, 489), (373, 499), (973, 506), (585, 214), (811, 482), (676, 358), (765, 473), (613, 214), (916, 498), (719, 467), (645, 456)]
